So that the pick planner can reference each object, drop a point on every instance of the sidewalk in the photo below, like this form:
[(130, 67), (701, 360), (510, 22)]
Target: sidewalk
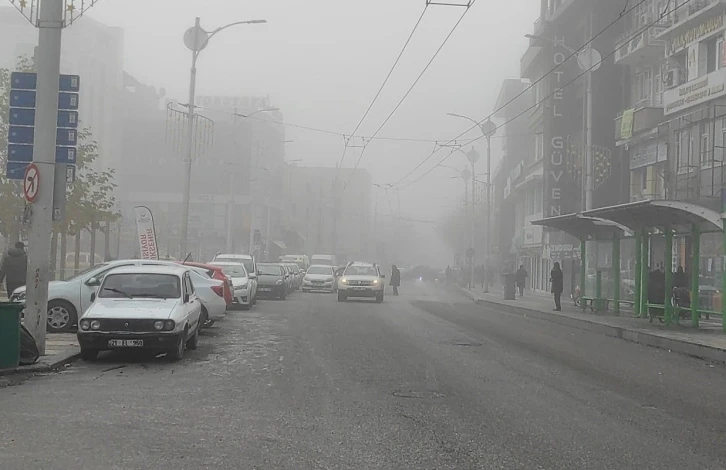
[(60, 349), (707, 342)]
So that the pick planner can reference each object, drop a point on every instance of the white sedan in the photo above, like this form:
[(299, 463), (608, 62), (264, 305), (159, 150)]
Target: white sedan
[(67, 300), (243, 288), (152, 308), (319, 278)]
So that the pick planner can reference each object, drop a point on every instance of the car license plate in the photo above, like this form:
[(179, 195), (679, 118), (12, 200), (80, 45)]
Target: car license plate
[(360, 288), (125, 343), (265, 289)]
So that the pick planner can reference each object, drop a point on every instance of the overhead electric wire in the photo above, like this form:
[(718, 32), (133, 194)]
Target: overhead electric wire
[(533, 84), (355, 167), (602, 59), (385, 81)]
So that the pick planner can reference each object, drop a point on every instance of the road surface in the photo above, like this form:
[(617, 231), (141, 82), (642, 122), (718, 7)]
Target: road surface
[(427, 380)]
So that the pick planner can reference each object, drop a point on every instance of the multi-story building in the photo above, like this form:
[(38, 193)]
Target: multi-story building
[(89, 49), (558, 125)]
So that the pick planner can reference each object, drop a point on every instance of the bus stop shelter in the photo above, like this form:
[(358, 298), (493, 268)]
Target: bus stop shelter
[(646, 219)]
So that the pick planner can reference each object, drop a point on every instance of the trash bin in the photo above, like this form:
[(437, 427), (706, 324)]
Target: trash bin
[(10, 334), (510, 288)]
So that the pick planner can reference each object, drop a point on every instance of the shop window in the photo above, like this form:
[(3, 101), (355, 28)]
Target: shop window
[(703, 150)]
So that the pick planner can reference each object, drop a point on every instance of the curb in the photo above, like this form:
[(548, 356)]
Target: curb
[(632, 335), (56, 361)]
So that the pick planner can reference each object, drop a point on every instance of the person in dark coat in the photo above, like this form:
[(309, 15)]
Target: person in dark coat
[(680, 279), (14, 268), (556, 278), (521, 279), (395, 279)]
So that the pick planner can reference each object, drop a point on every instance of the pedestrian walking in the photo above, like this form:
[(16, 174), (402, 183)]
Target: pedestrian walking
[(521, 278), (14, 268), (395, 279), (556, 278)]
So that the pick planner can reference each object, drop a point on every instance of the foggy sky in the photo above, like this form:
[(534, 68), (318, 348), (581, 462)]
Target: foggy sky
[(322, 61)]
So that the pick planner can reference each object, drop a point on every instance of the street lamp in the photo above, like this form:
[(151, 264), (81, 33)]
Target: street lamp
[(488, 130), (589, 61), (195, 39)]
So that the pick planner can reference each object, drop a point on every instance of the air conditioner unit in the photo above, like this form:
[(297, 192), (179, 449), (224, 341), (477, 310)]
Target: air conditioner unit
[(673, 78)]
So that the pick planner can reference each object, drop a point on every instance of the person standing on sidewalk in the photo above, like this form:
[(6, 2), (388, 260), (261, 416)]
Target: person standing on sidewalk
[(556, 278), (521, 278), (395, 279), (14, 268)]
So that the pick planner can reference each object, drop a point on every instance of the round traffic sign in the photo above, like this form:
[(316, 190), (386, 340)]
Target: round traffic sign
[(31, 182), (195, 38)]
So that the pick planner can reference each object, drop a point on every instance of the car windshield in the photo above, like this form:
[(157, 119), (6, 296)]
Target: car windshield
[(131, 285), (361, 271), (320, 270), (269, 269), (234, 270), (87, 271)]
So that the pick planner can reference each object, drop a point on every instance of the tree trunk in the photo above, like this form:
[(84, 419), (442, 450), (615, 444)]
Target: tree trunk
[(77, 255), (92, 251), (107, 241), (54, 255), (63, 251)]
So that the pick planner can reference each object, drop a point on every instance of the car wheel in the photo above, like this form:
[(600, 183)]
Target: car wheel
[(193, 342), (379, 298), (177, 353), (89, 354), (61, 316), (342, 297)]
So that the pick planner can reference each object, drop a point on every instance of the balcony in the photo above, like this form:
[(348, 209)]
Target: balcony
[(699, 15), (641, 45), (647, 115)]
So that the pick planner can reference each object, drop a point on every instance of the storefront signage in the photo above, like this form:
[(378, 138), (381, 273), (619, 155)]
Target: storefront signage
[(696, 33), (648, 154), (695, 92)]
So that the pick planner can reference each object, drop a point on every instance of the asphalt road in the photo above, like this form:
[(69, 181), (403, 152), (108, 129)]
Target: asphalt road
[(427, 380)]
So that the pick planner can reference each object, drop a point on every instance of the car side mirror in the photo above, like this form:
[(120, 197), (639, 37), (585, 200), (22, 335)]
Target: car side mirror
[(93, 282), (93, 297), (186, 298)]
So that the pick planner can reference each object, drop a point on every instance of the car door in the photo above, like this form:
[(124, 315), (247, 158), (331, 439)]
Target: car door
[(192, 308)]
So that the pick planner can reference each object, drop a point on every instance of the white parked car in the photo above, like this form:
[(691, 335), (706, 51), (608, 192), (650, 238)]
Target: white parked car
[(319, 278), (361, 280), (243, 289), (67, 300), (211, 292), (250, 265), (153, 308)]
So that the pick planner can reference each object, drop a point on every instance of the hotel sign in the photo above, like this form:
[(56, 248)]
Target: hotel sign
[(694, 34), (695, 92)]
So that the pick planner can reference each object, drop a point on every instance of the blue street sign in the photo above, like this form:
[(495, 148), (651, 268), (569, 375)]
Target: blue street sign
[(20, 153), (67, 101), (23, 81), (67, 137), (68, 119), (20, 135), (22, 98), (15, 170), (22, 116), (69, 83), (65, 155)]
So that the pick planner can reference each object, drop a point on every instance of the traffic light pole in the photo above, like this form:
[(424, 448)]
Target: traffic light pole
[(50, 25)]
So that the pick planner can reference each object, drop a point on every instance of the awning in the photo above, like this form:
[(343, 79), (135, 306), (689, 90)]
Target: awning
[(580, 226), (650, 213)]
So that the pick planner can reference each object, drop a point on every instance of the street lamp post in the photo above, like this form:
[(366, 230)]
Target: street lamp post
[(488, 130), (195, 39)]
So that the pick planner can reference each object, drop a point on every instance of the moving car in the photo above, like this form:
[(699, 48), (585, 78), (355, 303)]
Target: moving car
[(361, 280), (250, 266), (243, 288), (153, 308), (272, 282), (319, 278)]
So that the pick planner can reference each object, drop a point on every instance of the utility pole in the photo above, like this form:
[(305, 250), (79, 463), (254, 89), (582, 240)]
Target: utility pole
[(589, 182), (50, 25), (267, 230)]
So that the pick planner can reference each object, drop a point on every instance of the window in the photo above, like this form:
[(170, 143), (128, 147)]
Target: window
[(719, 53), (691, 148), (679, 153), (130, 285), (712, 58), (704, 158), (644, 179), (538, 147)]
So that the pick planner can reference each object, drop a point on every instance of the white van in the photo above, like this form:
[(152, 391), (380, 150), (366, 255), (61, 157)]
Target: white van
[(326, 260)]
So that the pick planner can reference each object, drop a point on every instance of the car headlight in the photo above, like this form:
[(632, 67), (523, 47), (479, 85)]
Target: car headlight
[(243, 286), (279, 282), (95, 325), (344, 281), (375, 282), (85, 325), (169, 325), (158, 325), (20, 296)]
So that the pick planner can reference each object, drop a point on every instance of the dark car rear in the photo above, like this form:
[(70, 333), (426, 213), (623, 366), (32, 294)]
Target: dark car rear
[(271, 281)]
